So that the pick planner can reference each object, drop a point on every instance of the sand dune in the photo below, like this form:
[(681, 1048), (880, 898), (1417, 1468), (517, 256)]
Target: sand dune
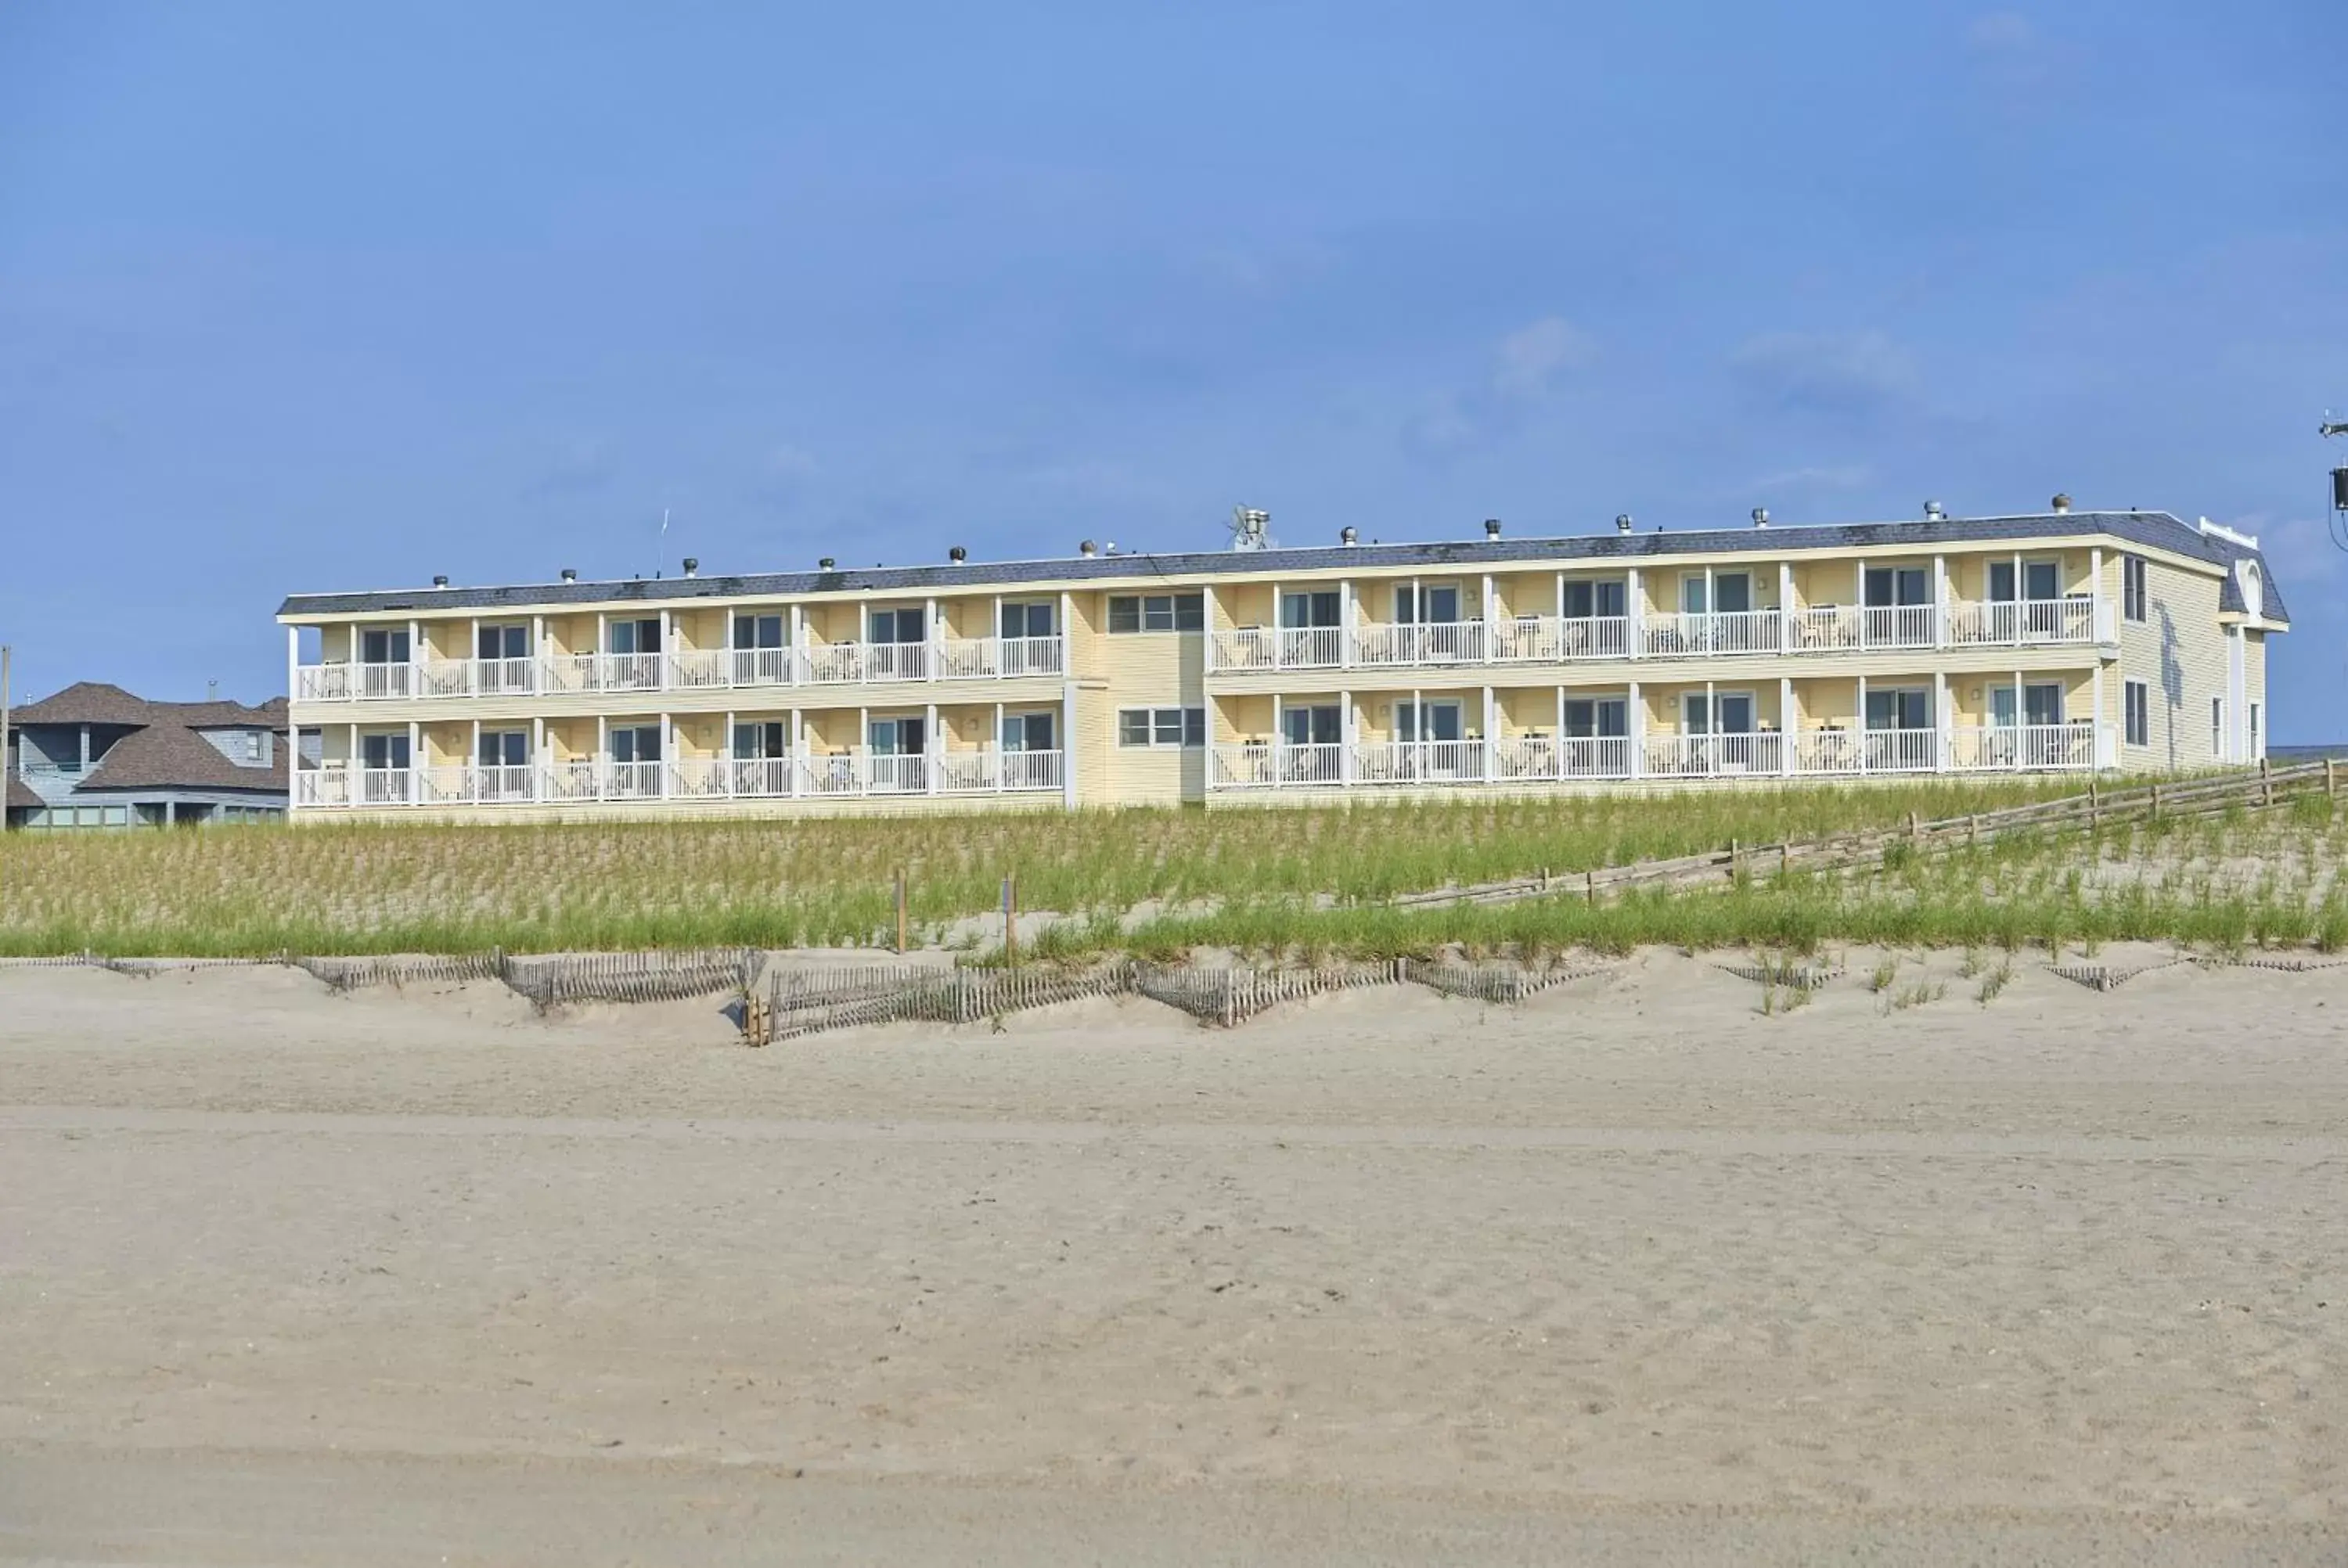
[(1630, 1271)]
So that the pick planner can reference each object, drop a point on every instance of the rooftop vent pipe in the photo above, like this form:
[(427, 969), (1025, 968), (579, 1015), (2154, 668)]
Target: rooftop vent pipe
[(825, 564), (1622, 523), (439, 582), (1760, 516), (1491, 527), (957, 554), (2062, 503), (693, 566), (1933, 512), (571, 574), (1348, 536), (1085, 548)]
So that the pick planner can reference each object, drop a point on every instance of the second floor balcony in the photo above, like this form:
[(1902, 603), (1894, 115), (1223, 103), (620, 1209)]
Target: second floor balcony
[(1800, 630), (857, 773), (686, 670)]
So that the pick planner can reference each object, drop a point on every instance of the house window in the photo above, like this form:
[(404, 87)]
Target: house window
[(634, 636), (2040, 703), (1890, 586), (1028, 732), (1161, 727), (2138, 701), (1898, 708), (1719, 712), (2040, 580), (502, 642), (636, 743), (1024, 620), (899, 737), (1423, 720), (2132, 587), (1324, 725), (2217, 726), (1590, 599), (902, 625), (754, 631), (1157, 613), (504, 749), (1589, 718), (1430, 604), (377, 752), (383, 647), (762, 742), (1319, 607)]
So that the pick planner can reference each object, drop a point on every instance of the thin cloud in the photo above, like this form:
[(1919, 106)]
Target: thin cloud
[(1840, 476), (1530, 358), (1843, 374), (578, 466), (1524, 369)]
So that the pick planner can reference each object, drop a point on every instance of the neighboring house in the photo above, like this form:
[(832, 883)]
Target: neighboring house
[(2056, 640), (93, 755)]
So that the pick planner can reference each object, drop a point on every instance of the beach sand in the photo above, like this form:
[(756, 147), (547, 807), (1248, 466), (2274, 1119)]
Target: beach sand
[(1632, 1272)]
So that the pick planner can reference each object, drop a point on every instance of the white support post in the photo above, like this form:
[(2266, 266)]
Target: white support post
[(799, 767), (603, 736), (1279, 739), (293, 670), (994, 745), (415, 758), (1346, 620), (473, 760), (1939, 601), (799, 671), (537, 682), (934, 639), (1560, 731), (415, 669), (931, 750), (1638, 728), (353, 765), (994, 632), (1491, 627), (668, 758), (1492, 743), (661, 667), (1418, 753), (1348, 730), (2095, 702), (725, 756), (1784, 615), (2020, 600), (538, 759), (1635, 609), (1211, 615), (595, 668), (1941, 739), (1787, 728), (1860, 724)]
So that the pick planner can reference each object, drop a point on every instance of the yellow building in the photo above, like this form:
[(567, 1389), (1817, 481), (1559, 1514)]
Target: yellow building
[(2060, 640)]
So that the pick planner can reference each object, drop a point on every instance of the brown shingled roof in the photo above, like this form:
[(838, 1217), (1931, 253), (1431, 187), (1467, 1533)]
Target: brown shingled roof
[(174, 756), (21, 796), (99, 702)]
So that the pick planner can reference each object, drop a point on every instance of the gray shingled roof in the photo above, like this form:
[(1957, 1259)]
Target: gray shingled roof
[(2156, 530), (21, 796)]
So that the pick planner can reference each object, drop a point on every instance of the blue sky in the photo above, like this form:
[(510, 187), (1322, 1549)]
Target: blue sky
[(303, 297)]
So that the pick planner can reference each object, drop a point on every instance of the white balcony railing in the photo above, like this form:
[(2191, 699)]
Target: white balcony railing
[(1419, 643), (1713, 756), (2030, 622)]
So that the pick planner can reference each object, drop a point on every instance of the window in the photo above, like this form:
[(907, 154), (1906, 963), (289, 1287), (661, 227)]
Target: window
[(1889, 586), (899, 737), (502, 642), (2041, 580), (379, 752), (762, 742), (1588, 718), (504, 749), (1732, 592), (383, 647), (636, 743), (1692, 594), (1898, 708), (1317, 608), (1428, 604), (1161, 727), (1027, 732), (1157, 613), (752, 631), (896, 625), (2132, 587), (2217, 726), (1587, 600), (634, 636), (1426, 722), (1024, 620), (2139, 704), (1721, 713), (1324, 725)]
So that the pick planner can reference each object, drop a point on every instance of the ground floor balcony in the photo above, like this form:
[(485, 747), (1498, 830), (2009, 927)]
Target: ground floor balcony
[(1530, 759), (584, 781)]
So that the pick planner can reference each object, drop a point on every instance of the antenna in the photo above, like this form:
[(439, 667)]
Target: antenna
[(1251, 528)]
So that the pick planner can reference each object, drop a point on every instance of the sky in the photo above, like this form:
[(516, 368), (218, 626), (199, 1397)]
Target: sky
[(305, 298)]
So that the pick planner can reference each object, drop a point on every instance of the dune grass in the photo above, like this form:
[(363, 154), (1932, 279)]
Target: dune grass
[(1261, 881)]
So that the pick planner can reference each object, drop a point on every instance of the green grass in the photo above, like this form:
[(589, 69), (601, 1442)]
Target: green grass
[(1302, 882)]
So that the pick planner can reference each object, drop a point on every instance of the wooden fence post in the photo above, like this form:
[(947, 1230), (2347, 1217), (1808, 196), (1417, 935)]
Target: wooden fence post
[(2266, 780)]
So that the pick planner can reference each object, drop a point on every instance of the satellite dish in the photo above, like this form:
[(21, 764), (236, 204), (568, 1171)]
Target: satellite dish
[(1251, 528)]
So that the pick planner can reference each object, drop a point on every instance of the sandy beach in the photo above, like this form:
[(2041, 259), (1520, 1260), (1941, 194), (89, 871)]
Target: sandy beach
[(1632, 1272)]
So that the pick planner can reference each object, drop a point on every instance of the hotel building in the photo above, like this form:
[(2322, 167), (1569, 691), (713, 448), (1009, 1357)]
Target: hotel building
[(2072, 641)]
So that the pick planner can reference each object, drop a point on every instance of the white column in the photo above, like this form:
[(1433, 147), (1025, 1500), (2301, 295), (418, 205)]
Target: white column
[(1347, 732), (798, 647), (473, 758), (1861, 723), (1491, 619), (1279, 739), (538, 759), (415, 669), (994, 745), (1560, 731), (725, 756), (1068, 658), (1786, 728), (1211, 620), (1784, 615), (293, 668), (1634, 605), (668, 742), (595, 668), (414, 753), (1345, 617), (934, 639), (994, 631), (2019, 601), (1492, 743), (931, 750), (1638, 727), (2096, 701), (354, 764), (799, 767), (603, 734), (1940, 735), (1939, 601), (661, 668)]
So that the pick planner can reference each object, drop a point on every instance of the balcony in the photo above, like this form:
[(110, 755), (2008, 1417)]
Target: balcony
[(590, 779), (687, 669), (1535, 759), (1806, 630)]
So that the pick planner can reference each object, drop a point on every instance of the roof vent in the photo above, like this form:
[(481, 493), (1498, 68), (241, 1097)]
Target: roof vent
[(441, 583), (957, 554), (571, 574), (825, 564), (1933, 513), (1622, 523), (1348, 536), (1760, 516), (1491, 527), (1085, 548), (2062, 503), (692, 566)]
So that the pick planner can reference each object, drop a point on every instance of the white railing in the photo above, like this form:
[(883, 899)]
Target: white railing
[(505, 677), (695, 778), (632, 781), (832, 663), (1247, 647), (575, 778), (897, 774), (632, 672), (2024, 622), (1418, 762), (1713, 756), (445, 678), (1673, 636), (573, 672), (692, 668), (759, 777), (1023, 656), (1420, 642), (759, 666), (385, 786), (1251, 764), (2023, 747), (322, 787), (1034, 770), (1896, 626)]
